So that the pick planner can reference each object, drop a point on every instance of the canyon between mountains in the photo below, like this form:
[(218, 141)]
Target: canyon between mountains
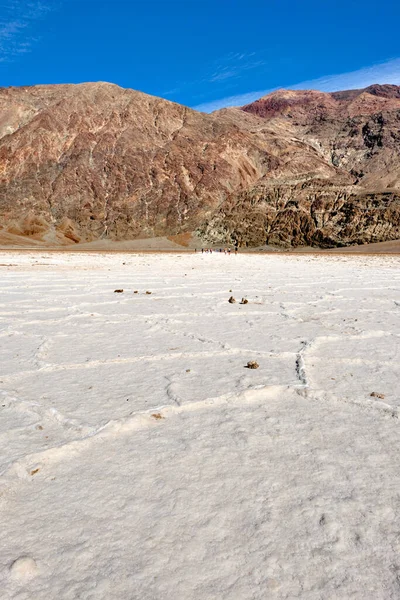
[(93, 161)]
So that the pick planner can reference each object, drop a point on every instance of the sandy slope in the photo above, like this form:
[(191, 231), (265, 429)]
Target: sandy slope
[(9, 241), (140, 459), (391, 247), (162, 244)]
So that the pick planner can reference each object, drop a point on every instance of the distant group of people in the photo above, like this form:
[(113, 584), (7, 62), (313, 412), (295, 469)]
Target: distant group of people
[(224, 250)]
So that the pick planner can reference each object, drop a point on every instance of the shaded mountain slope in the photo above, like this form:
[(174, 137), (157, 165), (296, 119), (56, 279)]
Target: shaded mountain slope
[(95, 161), (358, 133)]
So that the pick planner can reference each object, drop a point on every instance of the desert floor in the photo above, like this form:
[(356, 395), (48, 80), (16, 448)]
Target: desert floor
[(141, 459)]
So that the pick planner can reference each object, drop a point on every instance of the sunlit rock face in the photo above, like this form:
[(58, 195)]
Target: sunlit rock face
[(96, 161), (80, 162), (354, 199)]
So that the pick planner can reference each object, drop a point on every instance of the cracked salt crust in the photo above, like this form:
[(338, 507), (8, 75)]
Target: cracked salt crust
[(141, 459)]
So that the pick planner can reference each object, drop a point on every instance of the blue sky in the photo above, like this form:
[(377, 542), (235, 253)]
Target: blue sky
[(201, 53)]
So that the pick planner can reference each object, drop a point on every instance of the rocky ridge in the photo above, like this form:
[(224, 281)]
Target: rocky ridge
[(95, 161), (358, 133)]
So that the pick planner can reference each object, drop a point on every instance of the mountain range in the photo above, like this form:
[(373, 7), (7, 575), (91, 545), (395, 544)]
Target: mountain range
[(84, 162)]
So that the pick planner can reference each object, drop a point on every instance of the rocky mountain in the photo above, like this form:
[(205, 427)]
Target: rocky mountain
[(94, 161), (355, 131)]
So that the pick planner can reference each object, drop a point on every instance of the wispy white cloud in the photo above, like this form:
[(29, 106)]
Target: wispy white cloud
[(171, 92), (231, 66), (16, 27), (387, 72), (223, 74)]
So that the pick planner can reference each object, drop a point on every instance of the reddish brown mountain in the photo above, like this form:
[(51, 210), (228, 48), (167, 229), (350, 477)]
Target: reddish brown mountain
[(355, 131), (90, 161)]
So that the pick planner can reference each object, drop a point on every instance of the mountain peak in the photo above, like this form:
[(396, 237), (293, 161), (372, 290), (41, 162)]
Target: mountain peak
[(303, 105), (94, 160)]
